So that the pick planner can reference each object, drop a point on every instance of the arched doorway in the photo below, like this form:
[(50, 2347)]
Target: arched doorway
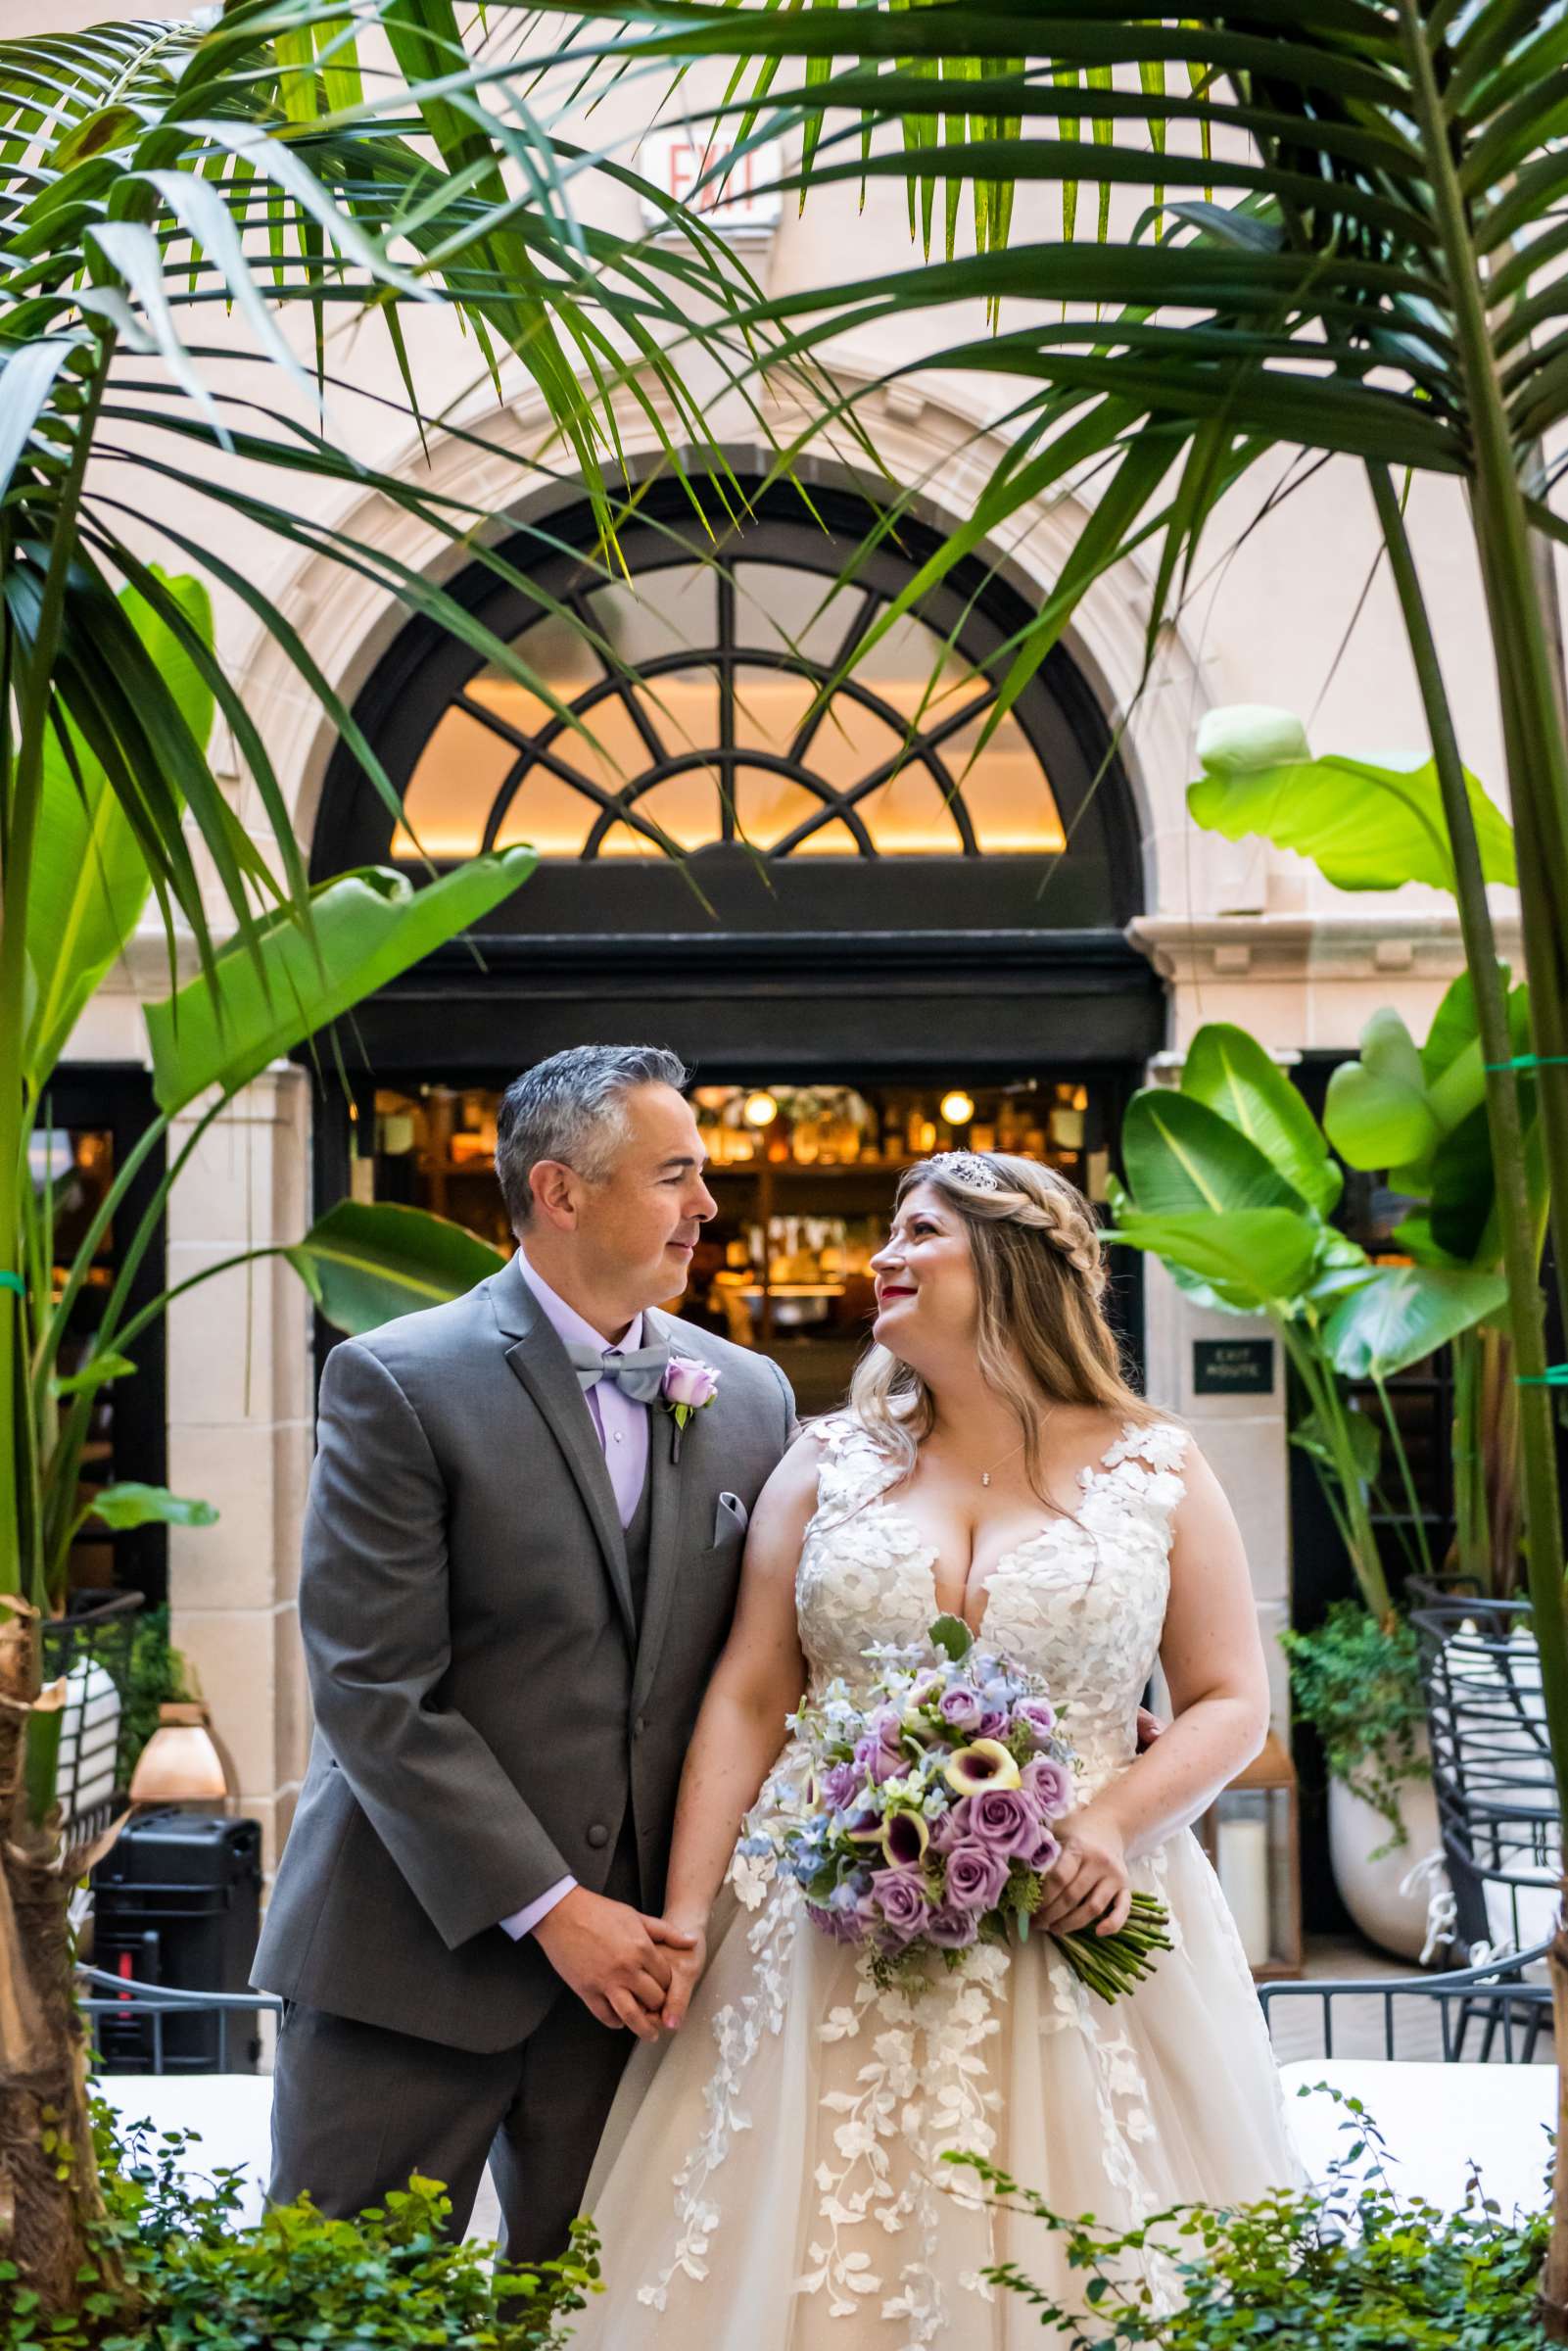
[(865, 921)]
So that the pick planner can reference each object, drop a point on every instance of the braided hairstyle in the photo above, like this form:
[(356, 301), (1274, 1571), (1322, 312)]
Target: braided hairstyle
[(1040, 1279)]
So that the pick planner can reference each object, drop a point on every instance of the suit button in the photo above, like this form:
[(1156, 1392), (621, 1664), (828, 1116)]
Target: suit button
[(641, 1725), (597, 1834)]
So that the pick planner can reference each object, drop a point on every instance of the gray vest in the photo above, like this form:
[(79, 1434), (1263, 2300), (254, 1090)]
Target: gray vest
[(638, 1535)]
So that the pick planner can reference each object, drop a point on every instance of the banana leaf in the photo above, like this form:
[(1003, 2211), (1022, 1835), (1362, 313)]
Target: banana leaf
[(366, 928), (365, 1264)]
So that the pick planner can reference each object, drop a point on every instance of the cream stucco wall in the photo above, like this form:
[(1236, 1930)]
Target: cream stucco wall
[(1238, 933)]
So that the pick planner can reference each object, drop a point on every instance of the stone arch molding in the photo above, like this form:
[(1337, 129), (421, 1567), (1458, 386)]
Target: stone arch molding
[(924, 438)]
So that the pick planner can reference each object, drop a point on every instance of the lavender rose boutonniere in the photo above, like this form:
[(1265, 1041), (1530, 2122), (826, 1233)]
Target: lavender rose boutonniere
[(689, 1387)]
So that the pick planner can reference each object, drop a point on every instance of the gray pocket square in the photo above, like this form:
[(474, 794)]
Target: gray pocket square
[(730, 1513)]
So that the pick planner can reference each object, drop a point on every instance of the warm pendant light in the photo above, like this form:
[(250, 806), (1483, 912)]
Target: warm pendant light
[(181, 1763)]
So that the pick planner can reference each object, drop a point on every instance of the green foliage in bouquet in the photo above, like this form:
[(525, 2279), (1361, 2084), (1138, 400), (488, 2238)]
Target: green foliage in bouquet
[(1357, 1680), (1357, 2268), (170, 2267)]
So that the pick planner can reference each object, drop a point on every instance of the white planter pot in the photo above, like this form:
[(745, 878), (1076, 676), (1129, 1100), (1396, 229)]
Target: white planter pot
[(1371, 1890)]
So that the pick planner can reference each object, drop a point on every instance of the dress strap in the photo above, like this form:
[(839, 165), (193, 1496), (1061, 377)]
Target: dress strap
[(1150, 1457), (852, 1467)]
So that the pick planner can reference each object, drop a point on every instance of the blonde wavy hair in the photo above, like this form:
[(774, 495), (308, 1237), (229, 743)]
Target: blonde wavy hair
[(1042, 1338)]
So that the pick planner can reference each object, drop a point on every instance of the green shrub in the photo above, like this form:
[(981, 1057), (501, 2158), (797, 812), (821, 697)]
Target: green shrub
[(1349, 2267), (1358, 1683), (293, 2282)]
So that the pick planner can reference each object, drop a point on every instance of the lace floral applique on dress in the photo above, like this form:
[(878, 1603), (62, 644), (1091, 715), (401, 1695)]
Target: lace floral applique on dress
[(801, 2114), (922, 2090)]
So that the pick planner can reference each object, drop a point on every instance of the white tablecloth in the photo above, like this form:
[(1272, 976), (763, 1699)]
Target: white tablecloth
[(233, 2113), (1436, 2121)]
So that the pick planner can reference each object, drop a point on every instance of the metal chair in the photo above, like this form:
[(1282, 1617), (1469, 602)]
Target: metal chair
[(1491, 1772), (1506, 1994)]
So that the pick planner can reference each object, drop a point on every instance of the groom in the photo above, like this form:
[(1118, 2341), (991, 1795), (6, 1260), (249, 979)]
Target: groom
[(518, 1571)]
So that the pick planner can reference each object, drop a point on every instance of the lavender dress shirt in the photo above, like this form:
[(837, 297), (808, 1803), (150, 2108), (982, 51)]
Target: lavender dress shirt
[(623, 1432)]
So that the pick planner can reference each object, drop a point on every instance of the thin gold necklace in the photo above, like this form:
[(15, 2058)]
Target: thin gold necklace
[(987, 1475)]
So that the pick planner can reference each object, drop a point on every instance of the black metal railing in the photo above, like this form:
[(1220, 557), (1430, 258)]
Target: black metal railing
[(1506, 1998), (131, 2021)]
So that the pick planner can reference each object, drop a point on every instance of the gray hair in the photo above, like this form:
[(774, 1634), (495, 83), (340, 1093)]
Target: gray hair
[(572, 1108)]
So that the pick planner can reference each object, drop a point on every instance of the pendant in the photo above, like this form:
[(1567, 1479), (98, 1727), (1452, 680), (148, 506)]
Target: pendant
[(985, 1477)]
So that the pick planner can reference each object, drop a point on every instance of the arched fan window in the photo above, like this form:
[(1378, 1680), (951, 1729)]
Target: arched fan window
[(701, 782), (706, 725)]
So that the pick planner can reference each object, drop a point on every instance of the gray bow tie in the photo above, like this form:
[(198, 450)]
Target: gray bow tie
[(639, 1373)]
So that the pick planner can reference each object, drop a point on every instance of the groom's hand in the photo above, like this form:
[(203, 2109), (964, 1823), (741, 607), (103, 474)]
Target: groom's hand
[(618, 1962)]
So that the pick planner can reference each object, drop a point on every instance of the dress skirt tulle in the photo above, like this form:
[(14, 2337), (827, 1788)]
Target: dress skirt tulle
[(773, 2179)]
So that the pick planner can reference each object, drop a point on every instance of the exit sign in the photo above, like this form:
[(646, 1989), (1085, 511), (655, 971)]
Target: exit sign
[(742, 201), (1233, 1366)]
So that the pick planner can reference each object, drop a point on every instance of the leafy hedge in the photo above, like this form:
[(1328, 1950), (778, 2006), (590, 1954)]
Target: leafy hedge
[(1349, 2267), (173, 2268)]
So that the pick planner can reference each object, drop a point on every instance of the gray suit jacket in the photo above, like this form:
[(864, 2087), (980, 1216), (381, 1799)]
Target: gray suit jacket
[(486, 1709)]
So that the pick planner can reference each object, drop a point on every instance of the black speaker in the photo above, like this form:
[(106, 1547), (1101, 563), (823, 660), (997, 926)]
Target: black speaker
[(177, 1901)]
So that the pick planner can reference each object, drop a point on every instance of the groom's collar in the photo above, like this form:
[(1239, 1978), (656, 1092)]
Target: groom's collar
[(521, 1313), (565, 1320)]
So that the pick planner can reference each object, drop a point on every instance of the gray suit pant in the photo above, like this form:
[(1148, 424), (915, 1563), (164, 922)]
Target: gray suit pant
[(356, 2108)]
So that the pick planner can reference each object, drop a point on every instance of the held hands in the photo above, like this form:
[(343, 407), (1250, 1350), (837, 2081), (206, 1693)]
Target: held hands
[(1088, 1885), (686, 1971), (619, 1963)]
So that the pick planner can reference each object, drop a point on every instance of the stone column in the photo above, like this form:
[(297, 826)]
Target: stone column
[(1243, 1439), (240, 1435)]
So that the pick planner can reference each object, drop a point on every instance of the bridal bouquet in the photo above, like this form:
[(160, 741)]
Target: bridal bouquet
[(925, 1824)]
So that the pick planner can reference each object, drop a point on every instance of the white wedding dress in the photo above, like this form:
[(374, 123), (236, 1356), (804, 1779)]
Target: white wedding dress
[(771, 2177)]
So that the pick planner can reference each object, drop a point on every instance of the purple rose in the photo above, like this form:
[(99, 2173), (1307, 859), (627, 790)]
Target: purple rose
[(849, 1913), (1004, 1821), (1046, 1855), (901, 1896), (839, 1785), (993, 1723), (887, 1724), (951, 1929), (947, 1829), (877, 1761), (687, 1383), (960, 1709), (1050, 1784), (975, 1876), (1037, 1718), (832, 1923)]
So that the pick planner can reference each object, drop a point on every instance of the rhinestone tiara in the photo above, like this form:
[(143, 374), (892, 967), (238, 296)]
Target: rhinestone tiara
[(970, 1169)]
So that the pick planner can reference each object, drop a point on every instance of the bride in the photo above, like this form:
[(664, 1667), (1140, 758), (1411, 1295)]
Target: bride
[(771, 2177)]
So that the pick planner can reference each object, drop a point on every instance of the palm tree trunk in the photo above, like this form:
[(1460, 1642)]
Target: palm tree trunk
[(48, 2176)]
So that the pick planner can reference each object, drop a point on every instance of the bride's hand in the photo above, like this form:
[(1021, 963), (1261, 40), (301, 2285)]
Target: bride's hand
[(685, 1972), (1087, 1887)]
